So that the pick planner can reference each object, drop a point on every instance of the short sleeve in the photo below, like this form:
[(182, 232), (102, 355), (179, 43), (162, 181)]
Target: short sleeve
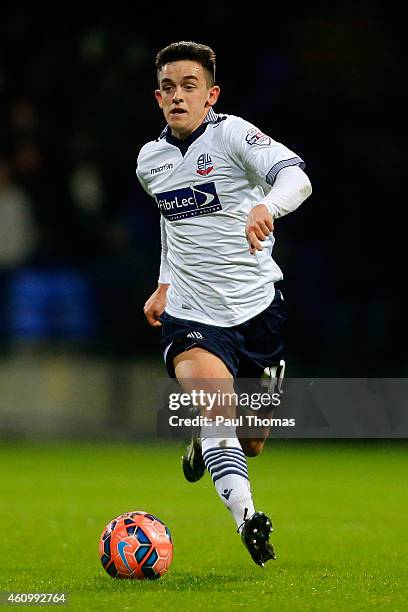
[(142, 167), (142, 181), (257, 152)]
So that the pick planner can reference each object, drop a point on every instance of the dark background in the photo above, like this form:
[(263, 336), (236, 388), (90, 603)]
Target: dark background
[(76, 105)]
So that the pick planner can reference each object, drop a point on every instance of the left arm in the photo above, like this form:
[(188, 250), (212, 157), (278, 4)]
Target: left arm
[(271, 165), (290, 188)]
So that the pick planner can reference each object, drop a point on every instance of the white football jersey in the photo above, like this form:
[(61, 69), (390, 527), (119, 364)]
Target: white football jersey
[(204, 188)]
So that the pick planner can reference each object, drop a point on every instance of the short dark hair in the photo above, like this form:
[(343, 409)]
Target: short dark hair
[(188, 50)]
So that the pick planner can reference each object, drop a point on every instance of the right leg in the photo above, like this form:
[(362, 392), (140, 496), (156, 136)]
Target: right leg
[(196, 364), (198, 369), (223, 456)]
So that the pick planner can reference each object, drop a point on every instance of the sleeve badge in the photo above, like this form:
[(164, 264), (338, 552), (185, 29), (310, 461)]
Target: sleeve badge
[(255, 137)]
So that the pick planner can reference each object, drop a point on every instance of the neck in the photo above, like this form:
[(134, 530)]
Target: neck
[(183, 135)]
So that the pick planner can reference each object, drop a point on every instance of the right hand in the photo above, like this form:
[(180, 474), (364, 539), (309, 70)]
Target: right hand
[(155, 305)]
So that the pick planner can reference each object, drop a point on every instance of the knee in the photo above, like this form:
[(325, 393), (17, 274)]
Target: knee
[(252, 448)]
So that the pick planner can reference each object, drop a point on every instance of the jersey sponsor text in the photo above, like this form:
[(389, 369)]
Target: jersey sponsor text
[(201, 199)]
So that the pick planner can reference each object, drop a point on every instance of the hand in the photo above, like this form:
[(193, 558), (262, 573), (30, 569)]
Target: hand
[(155, 305), (258, 227)]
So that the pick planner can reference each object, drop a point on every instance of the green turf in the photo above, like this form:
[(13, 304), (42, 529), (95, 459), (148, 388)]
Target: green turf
[(339, 511)]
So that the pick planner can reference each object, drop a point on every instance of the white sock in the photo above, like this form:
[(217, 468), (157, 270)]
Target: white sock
[(226, 463)]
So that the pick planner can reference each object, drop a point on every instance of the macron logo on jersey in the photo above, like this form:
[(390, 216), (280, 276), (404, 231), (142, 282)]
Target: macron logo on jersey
[(167, 166), (201, 199)]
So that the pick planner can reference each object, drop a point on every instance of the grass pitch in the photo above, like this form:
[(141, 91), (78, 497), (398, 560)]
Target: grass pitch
[(339, 510)]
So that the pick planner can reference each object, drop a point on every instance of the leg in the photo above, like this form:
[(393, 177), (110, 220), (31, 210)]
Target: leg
[(190, 367), (262, 365), (223, 457), (221, 450), (197, 365), (253, 447)]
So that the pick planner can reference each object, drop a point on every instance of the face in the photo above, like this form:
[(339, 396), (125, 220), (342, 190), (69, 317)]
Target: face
[(184, 96)]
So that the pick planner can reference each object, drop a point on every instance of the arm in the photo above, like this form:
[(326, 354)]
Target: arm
[(164, 276), (269, 164), (290, 188), (156, 303)]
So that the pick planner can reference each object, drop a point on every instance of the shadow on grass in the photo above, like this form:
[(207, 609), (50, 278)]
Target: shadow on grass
[(176, 581)]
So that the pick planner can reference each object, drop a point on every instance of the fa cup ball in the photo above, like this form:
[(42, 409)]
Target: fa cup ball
[(136, 545)]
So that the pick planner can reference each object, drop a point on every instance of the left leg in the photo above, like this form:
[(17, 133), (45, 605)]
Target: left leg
[(262, 367), (253, 447)]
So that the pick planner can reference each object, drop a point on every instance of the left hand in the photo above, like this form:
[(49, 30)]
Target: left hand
[(258, 227)]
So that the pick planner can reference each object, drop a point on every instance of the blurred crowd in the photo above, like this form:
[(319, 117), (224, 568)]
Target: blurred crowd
[(79, 239)]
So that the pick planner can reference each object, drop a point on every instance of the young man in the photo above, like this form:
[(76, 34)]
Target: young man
[(219, 183)]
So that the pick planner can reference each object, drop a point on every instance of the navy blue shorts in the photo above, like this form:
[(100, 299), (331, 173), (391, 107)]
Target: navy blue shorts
[(246, 349)]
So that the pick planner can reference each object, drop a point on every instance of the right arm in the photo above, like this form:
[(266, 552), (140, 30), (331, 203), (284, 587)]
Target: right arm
[(156, 303)]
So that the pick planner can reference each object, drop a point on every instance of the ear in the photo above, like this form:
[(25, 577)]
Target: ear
[(213, 94), (158, 96)]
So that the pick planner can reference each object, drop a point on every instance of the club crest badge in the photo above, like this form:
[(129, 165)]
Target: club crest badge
[(204, 165)]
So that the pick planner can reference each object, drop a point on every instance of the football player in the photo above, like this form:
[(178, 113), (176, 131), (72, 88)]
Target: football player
[(219, 183)]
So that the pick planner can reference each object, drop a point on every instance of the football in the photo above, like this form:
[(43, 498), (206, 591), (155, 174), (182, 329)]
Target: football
[(136, 545)]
